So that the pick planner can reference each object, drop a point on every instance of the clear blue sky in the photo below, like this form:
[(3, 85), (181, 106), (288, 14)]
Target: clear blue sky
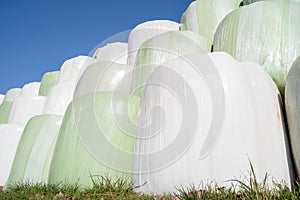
[(36, 36)]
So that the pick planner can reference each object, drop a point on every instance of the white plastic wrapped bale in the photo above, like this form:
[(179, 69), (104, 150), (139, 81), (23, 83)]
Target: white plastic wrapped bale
[(73, 68), (91, 136), (266, 33), (10, 136), (114, 52), (59, 98), (5, 107), (203, 120), (103, 77), (35, 150), (204, 16), (27, 105), (145, 31), (292, 92), (92, 142), (162, 48)]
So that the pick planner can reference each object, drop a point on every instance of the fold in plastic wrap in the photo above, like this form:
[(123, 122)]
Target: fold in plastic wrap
[(271, 40), (48, 81), (10, 136), (292, 104), (5, 107), (93, 141), (203, 120), (247, 2), (35, 150), (103, 77), (145, 31), (204, 16), (162, 48), (28, 104), (114, 52)]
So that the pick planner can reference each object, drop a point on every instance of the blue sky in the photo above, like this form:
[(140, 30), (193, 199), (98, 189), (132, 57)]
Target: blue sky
[(37, 36)]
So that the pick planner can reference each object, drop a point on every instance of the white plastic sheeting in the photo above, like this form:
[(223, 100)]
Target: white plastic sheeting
[(292, 103), (73, 68), (31, 89), (48, 81), (35, 150), (10, 136), (27, 105), (93, 141), (1, 98), (103, 77), (205, 117), (204, 16), (12, 94), (61, 94), (59, 98), (266, 33), (6, 104), (145, 31), (246, 2), (114, 52), (162, 48)]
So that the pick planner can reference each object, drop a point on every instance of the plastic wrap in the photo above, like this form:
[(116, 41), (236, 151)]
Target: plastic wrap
[(59, 98), (27, 104), (247, 2), (204, 16), (10, 135), (12, 94), (186, 136), (31, 89), (5, 107), (1, 98), (162, 48), (61, 94), (35, 150), (48, 81), (292, 92), (271, 40), (24, 108), (91, 141), (114, 52), (103, 77), (145, 31), (72, 69)]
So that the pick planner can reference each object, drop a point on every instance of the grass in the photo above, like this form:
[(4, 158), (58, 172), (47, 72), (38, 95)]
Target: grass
[(124, 190), (105, 188)]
